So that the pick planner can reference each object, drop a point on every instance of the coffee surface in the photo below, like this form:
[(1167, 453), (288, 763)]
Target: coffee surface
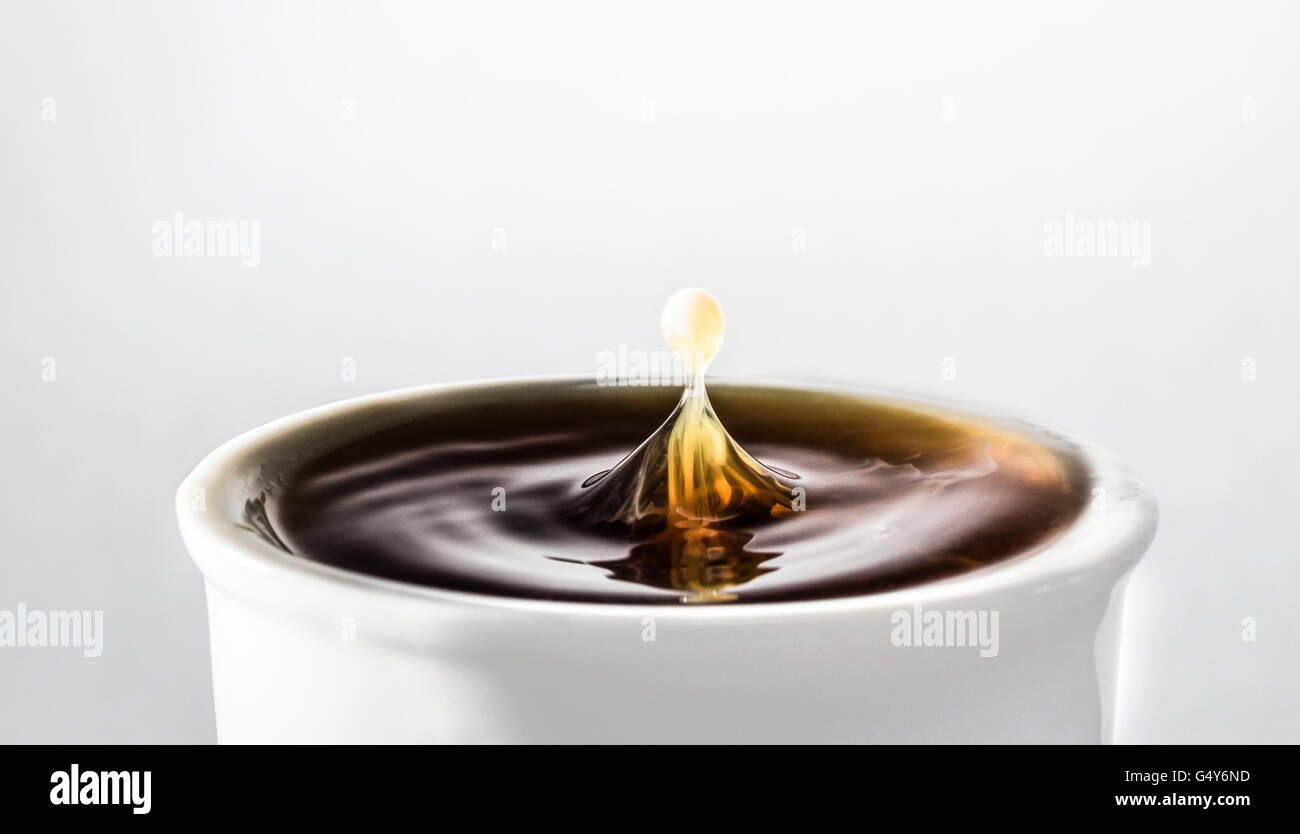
[(489, 491)]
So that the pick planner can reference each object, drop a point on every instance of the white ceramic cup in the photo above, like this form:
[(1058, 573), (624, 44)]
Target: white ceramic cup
[(304, 652)]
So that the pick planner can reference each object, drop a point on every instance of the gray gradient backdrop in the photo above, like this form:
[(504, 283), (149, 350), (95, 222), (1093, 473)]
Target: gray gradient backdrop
[(619, 154)]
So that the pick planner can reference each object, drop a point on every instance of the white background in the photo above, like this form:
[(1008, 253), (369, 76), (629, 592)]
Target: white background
[(627, 151)]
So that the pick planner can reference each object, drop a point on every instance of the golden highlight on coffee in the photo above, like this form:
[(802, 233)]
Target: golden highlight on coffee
[(777, 494)]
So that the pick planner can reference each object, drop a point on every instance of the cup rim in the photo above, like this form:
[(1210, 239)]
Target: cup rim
[(1106, 538)]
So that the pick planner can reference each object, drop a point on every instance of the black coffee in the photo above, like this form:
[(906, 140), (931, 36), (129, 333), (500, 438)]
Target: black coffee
[(508, 491)]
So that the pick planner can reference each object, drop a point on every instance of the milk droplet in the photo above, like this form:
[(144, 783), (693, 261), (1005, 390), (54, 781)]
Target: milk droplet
[(693, 327)]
